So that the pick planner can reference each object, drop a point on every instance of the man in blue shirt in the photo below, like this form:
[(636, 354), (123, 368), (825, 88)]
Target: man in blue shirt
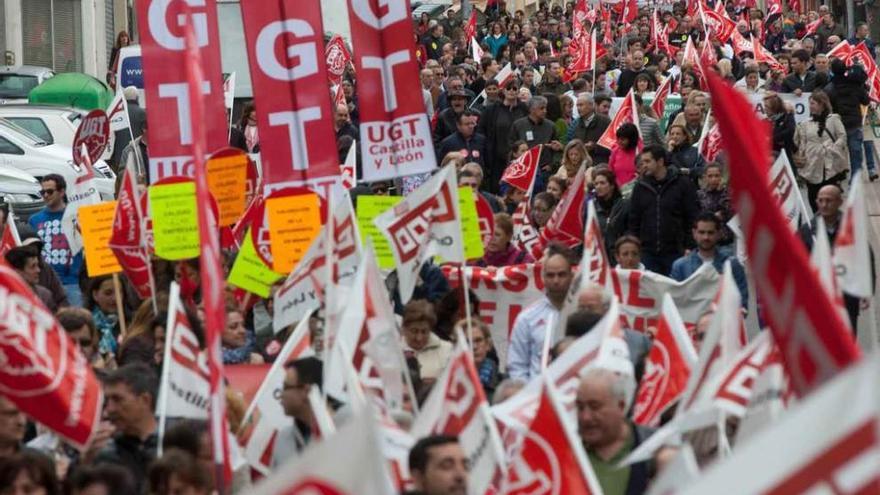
[(707, 232), (56, 249)]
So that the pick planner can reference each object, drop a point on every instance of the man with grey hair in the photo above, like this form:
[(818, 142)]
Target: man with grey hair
[(604, 399), (589, 127), (535, 129)]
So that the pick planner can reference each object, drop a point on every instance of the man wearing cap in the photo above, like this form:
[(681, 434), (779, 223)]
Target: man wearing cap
[(447, 120)]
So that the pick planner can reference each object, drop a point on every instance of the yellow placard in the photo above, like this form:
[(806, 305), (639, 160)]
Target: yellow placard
[(227, 181), (96, 225), (368, 208), (294, 222), (249, 272), (175, 220), (470, 224)]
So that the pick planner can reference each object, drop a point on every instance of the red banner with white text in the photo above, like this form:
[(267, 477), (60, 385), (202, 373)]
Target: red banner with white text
[(161, 26), (395, 131), (285, 45)]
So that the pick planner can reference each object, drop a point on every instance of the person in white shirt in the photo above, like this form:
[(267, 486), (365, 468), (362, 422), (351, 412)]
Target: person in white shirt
[(536, 322)]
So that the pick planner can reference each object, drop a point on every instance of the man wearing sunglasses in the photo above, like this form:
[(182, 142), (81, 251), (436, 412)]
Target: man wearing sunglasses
[(56, 250)]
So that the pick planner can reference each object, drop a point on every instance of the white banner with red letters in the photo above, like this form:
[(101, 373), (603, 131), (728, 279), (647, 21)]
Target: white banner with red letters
[(161, 27), (285, 47), (43, 372), (395, 131)]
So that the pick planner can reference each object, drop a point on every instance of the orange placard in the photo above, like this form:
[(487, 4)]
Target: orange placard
[(96, 225), (227, 181), (294, 221)]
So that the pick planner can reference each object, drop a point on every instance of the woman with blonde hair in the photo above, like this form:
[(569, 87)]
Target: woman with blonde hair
[(574, 156), (822, 157)]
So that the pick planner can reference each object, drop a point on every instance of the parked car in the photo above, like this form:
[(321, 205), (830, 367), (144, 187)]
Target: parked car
[(21, 192), (53, 124), (17, 81), (21, 150)]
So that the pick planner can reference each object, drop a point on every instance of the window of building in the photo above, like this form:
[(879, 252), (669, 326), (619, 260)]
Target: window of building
[(52, 32)]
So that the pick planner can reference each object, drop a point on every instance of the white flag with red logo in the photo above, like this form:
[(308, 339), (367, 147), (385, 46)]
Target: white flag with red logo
[(43, 373), (521, 172), (184, 391), (771, 397), (426, 223), (820, 258), (457, 406), (668, 367), (660, 96), (265, 416), (595, 260), (82, 192), (339, 97), (828, 444), (627, 114), (348, 170), (710, 142), (348, 462), (783, 185), (550, 459), (10, 238), (117, 113), (852, 253), (763, 56), (304, 289), (476, 49)]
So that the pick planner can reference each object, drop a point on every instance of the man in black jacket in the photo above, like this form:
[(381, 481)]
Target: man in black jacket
[(465, 140), (663, 207), (495, 124), (447, 119), (589, 127), (801, 79), (848, 93)]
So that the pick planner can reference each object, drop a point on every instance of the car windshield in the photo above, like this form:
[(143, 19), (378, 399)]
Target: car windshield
[(25, 135), (16, 85)]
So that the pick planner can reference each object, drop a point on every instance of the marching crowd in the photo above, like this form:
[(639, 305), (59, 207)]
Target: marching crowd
[(662, 206)]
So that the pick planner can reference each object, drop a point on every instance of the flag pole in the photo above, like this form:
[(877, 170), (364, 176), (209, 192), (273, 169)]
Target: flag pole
[(329, 265), (162, 403), (117, 289)]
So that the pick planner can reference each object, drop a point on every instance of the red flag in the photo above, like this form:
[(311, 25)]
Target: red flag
[(708, 57), (295, 115), (10, 238), (630, 12), (659, 103), (627, 114), (211, 272), (470, 29), (741, 44), (566, 223), (551, 459), (660, 33), (521, 172), (693, 58), (127, 238), (581, 14), (670, 362), (43, 373), (585, 52), (717, 24), (763, 56), (710, 143), (861, 54), (339, 97), (812, 336), (164, 61), (337, 58), (812, 27), (608, 35)]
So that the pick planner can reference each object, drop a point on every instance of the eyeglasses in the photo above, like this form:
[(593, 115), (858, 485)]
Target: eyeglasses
[(47, 192)]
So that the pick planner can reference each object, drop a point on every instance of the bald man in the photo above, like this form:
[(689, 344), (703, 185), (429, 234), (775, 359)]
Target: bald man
[(828, 202), (342, 123)]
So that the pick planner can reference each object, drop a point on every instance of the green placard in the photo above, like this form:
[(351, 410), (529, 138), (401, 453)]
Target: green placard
[(368, 208), (470, 224), (249, 272), (175, 220)]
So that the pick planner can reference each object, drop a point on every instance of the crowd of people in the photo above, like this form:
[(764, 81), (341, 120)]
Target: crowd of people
[(661, 206)]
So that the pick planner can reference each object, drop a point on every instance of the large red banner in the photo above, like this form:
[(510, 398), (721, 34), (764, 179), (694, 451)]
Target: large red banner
[(286, 50), (395, 132), (161, 24), (43, 373)]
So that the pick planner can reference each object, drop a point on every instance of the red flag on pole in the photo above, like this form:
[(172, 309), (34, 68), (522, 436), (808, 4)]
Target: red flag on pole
[(127, 238), (213, 282), (627, 114), (659, 103), (337, 59), (521, 172), (813, 338), (470, 29)]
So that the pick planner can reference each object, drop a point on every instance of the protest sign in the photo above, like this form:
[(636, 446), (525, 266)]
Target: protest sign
[(93, 134), (175, 226), (368, 208), (294, 221), (800, 104), (228, 183), (96, 225), (250, 273)]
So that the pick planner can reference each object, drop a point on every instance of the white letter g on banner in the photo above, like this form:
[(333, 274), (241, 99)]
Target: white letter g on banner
[(157, 15), (306, 52), (391, 11)]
